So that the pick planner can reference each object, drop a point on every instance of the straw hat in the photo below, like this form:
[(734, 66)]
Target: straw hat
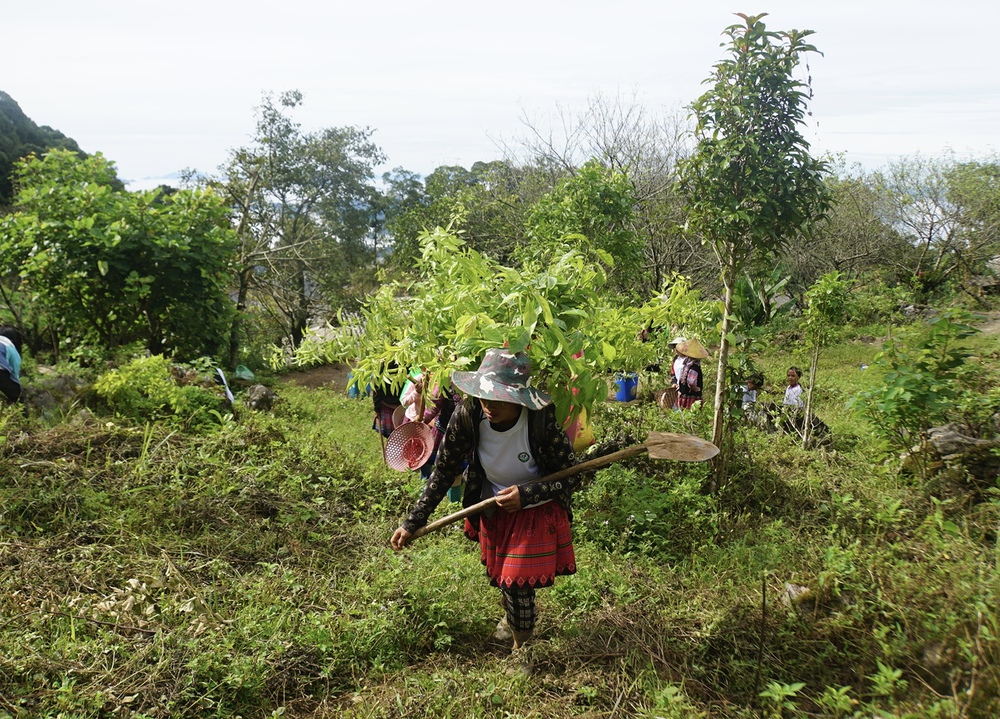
[(503, 376), (676, 341), (692, 348)]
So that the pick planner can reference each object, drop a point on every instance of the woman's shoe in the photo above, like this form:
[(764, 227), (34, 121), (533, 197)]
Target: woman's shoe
[(521, 638), (503, 633)]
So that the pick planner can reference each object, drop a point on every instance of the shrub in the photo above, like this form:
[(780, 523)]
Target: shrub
[(921, 380), (146, 389)]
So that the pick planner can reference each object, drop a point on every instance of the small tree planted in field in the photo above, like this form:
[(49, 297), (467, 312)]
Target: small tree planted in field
[(827, 306), (921, 380), (751, 184)]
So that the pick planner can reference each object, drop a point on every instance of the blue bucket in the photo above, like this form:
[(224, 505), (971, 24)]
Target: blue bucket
[(627, 385)]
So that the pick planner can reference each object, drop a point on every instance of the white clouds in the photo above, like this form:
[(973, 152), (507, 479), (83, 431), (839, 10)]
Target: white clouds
[(161, 89)]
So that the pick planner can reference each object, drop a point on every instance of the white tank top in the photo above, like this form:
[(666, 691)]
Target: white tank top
[(506, 456)]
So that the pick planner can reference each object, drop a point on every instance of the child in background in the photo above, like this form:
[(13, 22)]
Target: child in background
[(793, 393), (755, 383)]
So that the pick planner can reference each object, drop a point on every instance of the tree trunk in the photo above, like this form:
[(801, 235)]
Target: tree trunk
[(241, 304), (807, 419), (300, 311), (245, 274), (719, 421)]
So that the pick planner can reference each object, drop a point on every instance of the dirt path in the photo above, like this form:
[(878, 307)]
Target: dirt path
[(990, 325), (329, 376)]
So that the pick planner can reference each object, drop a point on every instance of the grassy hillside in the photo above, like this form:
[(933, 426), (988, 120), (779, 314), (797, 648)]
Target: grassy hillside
[(246, 571)]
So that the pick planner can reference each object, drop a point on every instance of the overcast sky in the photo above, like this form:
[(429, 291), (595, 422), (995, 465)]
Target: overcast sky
[(162, 87)]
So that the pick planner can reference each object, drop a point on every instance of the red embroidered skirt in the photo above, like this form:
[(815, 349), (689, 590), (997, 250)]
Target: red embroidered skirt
[(686, 401), (530, 547)]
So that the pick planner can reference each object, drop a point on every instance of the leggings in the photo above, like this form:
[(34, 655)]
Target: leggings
[(519, 603), (9, 386)]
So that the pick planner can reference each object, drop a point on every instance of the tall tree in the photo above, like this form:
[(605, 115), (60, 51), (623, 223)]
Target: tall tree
[(109, 266), (305, 206), (948, 211), (974, 191), (593, 210), (487, 204), (751, 184), (624, 137), (856, 238)]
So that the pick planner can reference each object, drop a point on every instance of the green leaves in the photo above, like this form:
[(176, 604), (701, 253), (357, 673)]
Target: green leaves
[(112, 266), (751, 185), (921, 381), (827, 307)]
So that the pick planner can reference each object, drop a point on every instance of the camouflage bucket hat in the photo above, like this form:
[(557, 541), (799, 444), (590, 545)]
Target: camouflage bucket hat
[(503, 376)]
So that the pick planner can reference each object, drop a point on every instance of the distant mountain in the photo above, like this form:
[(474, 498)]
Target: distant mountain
[(20, 136)]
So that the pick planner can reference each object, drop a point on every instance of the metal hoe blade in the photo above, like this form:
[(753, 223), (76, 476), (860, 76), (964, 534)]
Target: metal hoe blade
[(680, 447)]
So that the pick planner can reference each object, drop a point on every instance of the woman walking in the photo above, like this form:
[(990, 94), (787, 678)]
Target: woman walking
[(508, 433), (689, 380)]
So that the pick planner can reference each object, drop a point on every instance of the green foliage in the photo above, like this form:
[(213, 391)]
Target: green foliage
[(255, 557), (876, 300), (680, 308), (921, 374), (751, 184), (948, 212), (974, 190), (146, 389), (486, 204), (592, 210), (857, 238), (628, 512), (626, 347), (778, 697), (447, 319), (304, 206), (111, 267), (752, 298), (828, 304)]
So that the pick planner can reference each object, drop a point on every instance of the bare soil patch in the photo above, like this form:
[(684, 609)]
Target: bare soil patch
[(990, 324), (330, 376)]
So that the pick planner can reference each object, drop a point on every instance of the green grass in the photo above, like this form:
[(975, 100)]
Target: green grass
[(146, 572)]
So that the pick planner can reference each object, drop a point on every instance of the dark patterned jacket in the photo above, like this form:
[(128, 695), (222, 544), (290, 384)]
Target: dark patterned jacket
[(550, 447)]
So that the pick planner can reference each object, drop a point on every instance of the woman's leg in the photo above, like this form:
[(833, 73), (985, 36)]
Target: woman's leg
[(519, 603)]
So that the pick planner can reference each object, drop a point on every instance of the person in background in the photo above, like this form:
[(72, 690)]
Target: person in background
[(441, 404), (755, 383), (677, 363), (385, 403), (10, 363), (793, 393), (689, 382), (509, 433)]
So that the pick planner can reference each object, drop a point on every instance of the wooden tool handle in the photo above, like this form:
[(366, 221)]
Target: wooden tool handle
[(590, 464)]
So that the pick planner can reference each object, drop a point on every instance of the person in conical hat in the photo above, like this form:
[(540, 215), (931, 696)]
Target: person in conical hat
[(689, 381), (507, 429), (677, 362)]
